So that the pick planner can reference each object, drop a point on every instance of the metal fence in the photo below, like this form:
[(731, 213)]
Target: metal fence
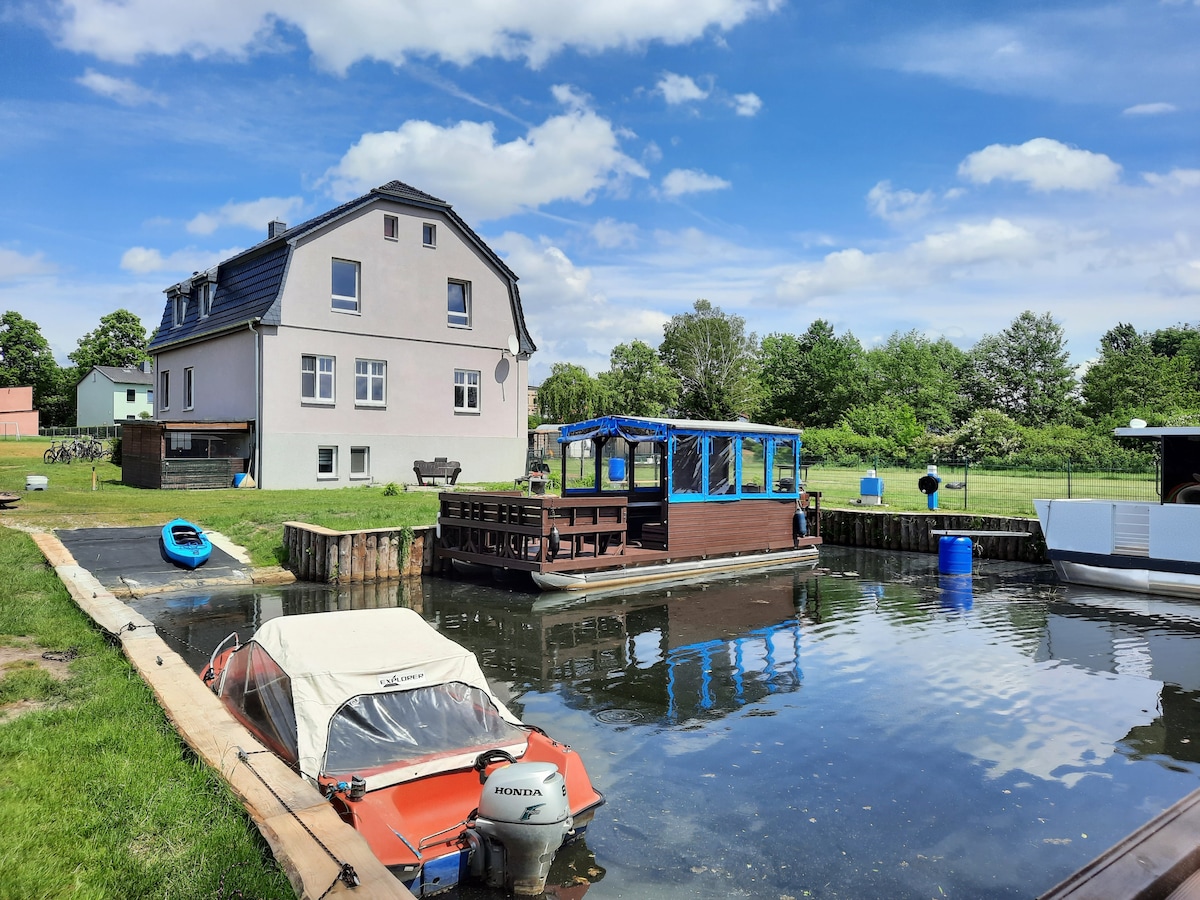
[(982, 489), (96, 431)]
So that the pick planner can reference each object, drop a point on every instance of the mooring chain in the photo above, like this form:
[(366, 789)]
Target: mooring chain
[(61, 655), (346, 873)]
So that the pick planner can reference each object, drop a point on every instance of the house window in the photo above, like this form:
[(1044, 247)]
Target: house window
[(150, 397), (369, 378), (458, 304), (189, 388), (130, 395), (345, 285), (466, 391), (164, 385), (316, 379), (327, 462), (360, 462), (429, 235), (391, 227), (179, 309), (207, 290)]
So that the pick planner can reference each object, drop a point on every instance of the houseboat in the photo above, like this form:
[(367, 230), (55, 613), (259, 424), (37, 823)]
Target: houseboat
[(643, 500), (1134, 546)]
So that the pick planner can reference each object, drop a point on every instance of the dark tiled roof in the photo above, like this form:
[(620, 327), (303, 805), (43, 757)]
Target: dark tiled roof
[(124, 374), (249, 284)]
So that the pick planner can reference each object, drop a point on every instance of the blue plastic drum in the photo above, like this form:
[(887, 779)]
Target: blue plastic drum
[(616, 469), (955, 555)]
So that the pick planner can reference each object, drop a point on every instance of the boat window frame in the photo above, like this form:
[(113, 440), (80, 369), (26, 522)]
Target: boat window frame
[(770, 491)]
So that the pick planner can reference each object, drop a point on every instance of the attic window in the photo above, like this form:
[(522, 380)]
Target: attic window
[(345, 285), (179, 309), (391, 228), (207, 291), (429, 235)]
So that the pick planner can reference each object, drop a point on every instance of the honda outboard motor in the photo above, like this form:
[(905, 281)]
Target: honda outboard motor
[(522, 821)]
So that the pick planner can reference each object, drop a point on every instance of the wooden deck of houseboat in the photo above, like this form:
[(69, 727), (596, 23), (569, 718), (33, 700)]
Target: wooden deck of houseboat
[(505, 529)]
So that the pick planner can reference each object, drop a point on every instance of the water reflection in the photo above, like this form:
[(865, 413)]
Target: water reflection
[(869, 729)]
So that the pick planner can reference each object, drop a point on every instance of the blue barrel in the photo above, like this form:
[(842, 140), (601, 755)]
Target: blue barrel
[(616, 469), (954, 555)]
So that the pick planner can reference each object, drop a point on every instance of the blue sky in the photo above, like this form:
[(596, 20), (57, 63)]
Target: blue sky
[(937, 166)]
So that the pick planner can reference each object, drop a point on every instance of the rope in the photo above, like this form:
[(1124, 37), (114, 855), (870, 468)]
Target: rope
[(346, 873), (61, 655)]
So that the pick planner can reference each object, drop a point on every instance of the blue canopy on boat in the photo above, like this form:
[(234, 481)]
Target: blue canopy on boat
[(637, 430)]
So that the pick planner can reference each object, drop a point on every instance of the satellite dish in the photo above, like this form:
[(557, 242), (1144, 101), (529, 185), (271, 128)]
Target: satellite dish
[(514, 346)]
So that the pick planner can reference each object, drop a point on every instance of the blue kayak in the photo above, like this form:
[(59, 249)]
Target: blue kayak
[(185, 544)]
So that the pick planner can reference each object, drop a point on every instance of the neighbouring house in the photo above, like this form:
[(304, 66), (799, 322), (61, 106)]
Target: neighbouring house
[(339, 351), (108, 395), (18, 418)]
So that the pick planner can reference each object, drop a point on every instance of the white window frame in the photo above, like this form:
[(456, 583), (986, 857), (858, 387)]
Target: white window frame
[(346, 303), (207, 291), (367, 373), (317, 371), (465, 380), (332, 474), (164, 383), (428, 235), (189, 388), (179, 309), (392, 222), (454, 318), (365, 473)]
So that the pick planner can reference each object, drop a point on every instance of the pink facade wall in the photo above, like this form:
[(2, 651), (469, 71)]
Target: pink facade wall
[(17, 415)]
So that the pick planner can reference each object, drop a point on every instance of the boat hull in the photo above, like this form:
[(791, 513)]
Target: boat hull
[(1148, 548), (674, 571)]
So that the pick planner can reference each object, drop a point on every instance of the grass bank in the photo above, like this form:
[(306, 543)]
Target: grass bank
[(252, 518), (98, 797)]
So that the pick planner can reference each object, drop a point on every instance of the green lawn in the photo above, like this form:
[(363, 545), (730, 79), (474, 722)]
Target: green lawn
[(98, 797)]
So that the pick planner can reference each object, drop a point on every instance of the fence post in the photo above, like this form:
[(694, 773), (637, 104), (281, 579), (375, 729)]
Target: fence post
[(1068, 478), (966, 481)]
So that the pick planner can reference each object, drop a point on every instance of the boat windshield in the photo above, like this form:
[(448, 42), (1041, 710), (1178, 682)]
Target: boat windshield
[(375, 730)]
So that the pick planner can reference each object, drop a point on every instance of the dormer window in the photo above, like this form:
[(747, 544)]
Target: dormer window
[(208, 290), (178, 309)]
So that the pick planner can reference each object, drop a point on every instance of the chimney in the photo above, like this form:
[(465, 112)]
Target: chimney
[(275, 228)]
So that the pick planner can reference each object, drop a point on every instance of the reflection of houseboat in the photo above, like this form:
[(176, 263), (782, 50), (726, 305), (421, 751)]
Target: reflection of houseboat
[(1146, 547), (645, 500)]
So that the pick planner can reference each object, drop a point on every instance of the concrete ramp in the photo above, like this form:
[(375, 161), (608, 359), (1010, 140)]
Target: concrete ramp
[(130, 562)]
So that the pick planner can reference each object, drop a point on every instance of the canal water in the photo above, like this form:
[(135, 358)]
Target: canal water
[(869, 730)]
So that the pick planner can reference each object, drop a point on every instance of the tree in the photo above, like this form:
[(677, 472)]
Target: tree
[(570, 394), (715, 361), (811, 380), (926, 375), (27, 361), (1023, 371), (1132, 379), (119, 341), (638, 383)]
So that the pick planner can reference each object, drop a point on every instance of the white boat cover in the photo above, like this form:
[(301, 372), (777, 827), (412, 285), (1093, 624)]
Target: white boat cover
[(401, 692)]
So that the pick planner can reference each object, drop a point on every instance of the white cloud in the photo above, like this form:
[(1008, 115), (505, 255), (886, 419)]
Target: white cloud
[(679, 89), (1176, 181), (569, 316), (951, 254), (1185, 278), (15, 266), (142, 260), (123, 90), (568, 157), (898, 206), (747, 104), (1150, 109), (1042, 163), (342, 34), (251, 214), (691, 181), (610, 234)]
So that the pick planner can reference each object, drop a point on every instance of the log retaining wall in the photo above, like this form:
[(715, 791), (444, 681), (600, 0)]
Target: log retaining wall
[(913, 531), (344, 557)]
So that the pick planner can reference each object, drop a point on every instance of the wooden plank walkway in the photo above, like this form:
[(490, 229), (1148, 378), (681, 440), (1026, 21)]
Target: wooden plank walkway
[(216, 737)]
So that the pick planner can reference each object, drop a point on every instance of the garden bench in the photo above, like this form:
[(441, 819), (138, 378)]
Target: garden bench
[(440, 467)]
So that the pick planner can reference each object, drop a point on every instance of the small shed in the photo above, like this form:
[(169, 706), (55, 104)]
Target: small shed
[(185, 455)]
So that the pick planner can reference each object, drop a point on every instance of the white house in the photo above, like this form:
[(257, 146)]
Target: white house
[(109, 395), (341, 350)]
